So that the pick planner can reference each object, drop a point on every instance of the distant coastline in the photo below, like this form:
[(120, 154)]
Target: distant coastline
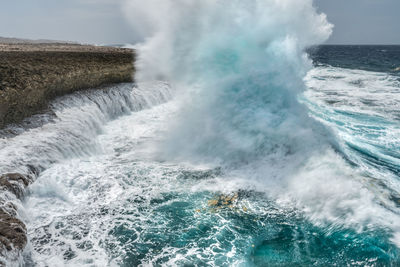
[(12, 40)]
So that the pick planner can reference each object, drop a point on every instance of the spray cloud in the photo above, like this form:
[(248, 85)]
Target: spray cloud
[(238, 67)]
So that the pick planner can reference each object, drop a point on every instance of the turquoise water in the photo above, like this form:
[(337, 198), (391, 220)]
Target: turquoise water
[(249, 153), (126, 205)]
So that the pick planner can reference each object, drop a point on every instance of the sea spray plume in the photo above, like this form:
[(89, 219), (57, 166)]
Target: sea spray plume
[(239, 67), (175, 32)]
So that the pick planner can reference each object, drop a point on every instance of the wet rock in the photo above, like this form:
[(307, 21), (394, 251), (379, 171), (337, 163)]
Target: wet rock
[(13, 235), (229, 201), (224, 201), (15, 183), (12, 232)]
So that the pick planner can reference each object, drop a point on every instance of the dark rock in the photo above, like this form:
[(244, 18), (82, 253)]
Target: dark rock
[(15, 183), (13, 235), (32, 75), (12, 232)]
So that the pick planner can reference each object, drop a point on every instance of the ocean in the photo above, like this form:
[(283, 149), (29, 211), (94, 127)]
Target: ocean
[(106, 197), (252, 154)]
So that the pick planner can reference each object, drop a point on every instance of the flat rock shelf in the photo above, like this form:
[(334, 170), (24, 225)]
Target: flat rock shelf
[(33, 74)]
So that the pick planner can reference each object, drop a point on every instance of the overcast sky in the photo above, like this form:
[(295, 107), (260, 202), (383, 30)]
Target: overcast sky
[(101, 21), (363, 21)]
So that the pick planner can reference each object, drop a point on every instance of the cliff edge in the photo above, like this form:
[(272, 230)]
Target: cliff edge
[(33, 74)]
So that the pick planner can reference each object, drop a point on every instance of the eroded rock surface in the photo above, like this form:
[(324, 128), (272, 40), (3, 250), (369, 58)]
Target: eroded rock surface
[(33, 74), (13, 234), (12, 231)]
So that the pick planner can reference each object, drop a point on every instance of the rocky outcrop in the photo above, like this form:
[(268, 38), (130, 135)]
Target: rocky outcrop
[(12, 231), (33, 74), (15, 183), (13, 234)]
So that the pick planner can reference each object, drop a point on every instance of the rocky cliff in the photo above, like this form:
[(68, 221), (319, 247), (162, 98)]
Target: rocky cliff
[(33, 74)]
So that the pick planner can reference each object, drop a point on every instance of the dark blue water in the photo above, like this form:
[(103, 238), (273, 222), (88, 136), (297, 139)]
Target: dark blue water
[(313, 189), (354, 90), (301, 179), (380, 58)]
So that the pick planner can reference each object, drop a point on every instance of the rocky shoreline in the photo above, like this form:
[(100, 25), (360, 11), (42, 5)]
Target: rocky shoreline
[(31, 75), (12, 230)]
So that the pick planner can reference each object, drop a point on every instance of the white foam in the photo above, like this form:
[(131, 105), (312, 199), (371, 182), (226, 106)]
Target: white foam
[(238, 68)]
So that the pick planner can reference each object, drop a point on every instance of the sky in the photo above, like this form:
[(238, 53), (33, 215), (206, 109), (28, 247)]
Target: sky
[(103, 22), (363, 21)]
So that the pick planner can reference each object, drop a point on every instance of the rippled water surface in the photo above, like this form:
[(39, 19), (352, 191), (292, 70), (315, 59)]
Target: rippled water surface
[(122, 203), (249, 156)]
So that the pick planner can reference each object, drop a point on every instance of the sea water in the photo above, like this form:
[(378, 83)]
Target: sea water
[(250, 152)]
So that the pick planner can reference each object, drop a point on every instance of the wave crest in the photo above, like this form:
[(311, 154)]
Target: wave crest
[(238, 67)]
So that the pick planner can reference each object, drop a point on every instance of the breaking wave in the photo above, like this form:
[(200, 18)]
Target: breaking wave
[(239, 68)]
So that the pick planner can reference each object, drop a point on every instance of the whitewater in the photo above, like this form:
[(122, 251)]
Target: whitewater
[(231, 149)]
